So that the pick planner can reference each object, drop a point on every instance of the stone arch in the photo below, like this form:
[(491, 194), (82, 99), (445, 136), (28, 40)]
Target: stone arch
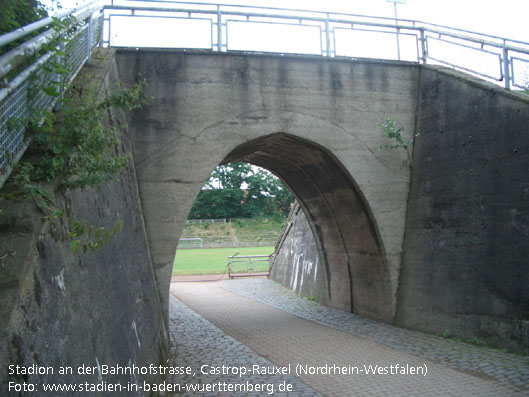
[(356, 269)]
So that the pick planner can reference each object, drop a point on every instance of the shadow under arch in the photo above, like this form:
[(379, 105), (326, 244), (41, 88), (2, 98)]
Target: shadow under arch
[(356, 269)]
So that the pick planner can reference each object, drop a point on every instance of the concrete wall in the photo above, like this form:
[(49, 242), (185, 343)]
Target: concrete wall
[(313, 121), (465, 266), (296, 264), (62, 308)]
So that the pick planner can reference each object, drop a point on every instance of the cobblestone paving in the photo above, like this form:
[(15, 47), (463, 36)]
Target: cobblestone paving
[(197, 342), (510, 370), (284, 339)]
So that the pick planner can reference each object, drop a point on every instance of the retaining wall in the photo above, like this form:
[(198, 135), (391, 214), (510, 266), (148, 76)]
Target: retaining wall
[(60, 308)]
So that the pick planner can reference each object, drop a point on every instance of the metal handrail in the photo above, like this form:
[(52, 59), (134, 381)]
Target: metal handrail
[(249, 260), (33, 27), (17, 56), (16, 104), (219, 14)]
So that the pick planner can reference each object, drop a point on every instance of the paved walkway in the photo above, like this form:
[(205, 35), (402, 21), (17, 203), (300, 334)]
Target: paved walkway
[(341, 347)]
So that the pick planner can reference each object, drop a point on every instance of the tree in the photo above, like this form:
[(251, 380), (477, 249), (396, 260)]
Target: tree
[(19, 13), (240, 190)]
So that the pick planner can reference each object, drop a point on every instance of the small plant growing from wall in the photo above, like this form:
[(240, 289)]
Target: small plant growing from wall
[(394, 134)]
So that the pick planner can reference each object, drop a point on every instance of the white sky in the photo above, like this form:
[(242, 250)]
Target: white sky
[(506, 18)]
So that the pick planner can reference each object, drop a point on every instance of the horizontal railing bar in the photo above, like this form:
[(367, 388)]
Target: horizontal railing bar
[(160, 16), (13, 58), (400, 26), (25, 30), (464, 45), (248, 256), (242, 6), (481, 41), (21, 77)]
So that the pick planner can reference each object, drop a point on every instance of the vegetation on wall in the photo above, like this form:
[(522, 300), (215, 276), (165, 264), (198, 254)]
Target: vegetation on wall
[(394, 134), (18, 13), (71, 148)]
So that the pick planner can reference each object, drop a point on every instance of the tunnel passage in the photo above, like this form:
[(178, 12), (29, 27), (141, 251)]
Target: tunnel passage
[(356, 274)]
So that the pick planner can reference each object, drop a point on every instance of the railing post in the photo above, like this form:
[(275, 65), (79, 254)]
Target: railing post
[(109, 30), (61, 59), (327, 36), (423, 47), (89, 39), (219, 29), (506, 69)]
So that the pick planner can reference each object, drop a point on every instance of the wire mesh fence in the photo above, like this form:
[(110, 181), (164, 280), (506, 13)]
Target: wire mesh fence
[(22, 98)]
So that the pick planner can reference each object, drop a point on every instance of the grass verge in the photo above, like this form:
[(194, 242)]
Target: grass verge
[(212, 260)]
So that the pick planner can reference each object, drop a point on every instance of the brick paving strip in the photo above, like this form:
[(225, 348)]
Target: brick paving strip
[(197, 342), (510, 370), (286, 339)]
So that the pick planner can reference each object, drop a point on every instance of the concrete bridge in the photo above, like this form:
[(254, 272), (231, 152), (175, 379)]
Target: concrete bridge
[(313, 122), (436, 243), (383, 249)]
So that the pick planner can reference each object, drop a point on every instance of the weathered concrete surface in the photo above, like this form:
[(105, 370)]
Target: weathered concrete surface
[(60, 308), (465, 266), (296, 262), (314, 122)]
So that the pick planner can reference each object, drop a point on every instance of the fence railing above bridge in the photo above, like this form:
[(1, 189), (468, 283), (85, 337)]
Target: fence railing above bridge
[(218, 27)]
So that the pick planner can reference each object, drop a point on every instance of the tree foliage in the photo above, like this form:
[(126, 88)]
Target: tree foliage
[(18, 13), (240, 190)]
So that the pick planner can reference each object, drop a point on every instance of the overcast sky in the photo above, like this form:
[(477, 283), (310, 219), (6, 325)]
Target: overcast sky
[(506, 18)]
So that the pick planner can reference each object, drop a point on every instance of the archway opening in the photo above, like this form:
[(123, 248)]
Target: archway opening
[(240, 211), (355, 274), (356, 271)]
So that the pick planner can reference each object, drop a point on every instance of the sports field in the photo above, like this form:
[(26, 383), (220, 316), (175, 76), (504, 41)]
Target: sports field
[(213, 260)]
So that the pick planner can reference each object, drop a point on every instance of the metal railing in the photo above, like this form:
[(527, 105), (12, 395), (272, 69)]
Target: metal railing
[(19, 95), (216, 27), (241, 266)]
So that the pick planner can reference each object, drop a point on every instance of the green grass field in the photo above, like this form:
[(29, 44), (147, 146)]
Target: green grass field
[(213, 260)]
